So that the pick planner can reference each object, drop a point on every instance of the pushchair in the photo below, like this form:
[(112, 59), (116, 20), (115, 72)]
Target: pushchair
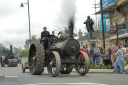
[(126, 60)]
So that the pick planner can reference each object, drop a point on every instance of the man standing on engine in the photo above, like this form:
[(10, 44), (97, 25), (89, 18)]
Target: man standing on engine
[(45, 33), (53, 32)]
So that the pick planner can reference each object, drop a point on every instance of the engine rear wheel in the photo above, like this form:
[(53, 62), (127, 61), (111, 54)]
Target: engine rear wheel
[(82, 67), (36, 59), (66, 68), (2, 62), (54, 64)]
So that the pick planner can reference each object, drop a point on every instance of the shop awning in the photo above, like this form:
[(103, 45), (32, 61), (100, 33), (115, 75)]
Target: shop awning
[(120, 36)]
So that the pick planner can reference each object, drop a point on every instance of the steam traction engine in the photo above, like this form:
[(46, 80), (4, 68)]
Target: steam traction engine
[(58, 55), (9, 59)]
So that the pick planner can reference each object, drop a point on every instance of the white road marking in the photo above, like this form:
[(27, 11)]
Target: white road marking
[(66, 84), (10, 76)]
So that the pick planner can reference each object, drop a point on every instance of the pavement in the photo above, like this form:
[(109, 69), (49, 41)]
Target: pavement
[(14, 76), (100, 70)]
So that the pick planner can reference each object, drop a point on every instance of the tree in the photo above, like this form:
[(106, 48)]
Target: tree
[(24, 53), (1, 48), (15, 51)]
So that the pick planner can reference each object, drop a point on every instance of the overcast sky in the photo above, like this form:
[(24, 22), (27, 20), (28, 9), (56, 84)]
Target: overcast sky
[(14, 19)]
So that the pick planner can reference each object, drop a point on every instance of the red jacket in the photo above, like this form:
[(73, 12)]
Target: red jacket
[(81, 55)]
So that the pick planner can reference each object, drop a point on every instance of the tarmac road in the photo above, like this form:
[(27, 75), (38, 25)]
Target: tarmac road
[(14, 76)]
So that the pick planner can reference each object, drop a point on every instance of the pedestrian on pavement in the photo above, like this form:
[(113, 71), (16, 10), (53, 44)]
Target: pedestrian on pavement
[(106, 57), (113, 57), (96, 54), (83, 49), (118, 61), (91, 54), (126, 55), (115, 43), (3, 52), (122, 44), (109, 50)]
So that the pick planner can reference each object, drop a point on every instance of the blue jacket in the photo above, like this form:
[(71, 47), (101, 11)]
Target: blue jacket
[(91, 52)]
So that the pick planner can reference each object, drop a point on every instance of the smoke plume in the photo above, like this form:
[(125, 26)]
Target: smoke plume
[(68, 10), (7, 42)]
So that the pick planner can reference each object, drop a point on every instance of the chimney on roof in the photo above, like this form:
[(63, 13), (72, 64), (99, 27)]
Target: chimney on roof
[(33, 37), (80, 33)]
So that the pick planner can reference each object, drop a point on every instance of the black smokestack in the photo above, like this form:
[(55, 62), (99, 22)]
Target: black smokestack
[(71, 27), (10, 48)]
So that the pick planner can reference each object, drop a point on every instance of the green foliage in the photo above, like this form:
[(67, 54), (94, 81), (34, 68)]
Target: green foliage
[(1, 48), (101, 67), (91, 66), (24, 53), (16, 51)]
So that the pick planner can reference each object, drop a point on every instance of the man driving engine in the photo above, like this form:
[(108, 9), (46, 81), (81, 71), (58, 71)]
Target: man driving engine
[(45, 33)]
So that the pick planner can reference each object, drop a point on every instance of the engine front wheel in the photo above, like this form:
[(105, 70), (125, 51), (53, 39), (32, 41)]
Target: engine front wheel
[(36, 59), (82, 67), (54, 64), (2, 62)]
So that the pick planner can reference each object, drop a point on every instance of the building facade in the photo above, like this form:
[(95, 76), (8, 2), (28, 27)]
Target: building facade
[(33, 40), (115, 17)]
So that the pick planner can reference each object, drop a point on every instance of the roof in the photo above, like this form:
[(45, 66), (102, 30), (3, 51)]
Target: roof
[(33, 41), (112, 6)]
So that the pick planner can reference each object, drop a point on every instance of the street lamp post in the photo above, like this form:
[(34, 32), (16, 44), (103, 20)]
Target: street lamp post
[(117, 33), (102, 23), (22, 5)]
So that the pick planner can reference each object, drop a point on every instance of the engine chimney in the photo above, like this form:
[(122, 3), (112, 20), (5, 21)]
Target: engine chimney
[(71, 27), (10, 48)]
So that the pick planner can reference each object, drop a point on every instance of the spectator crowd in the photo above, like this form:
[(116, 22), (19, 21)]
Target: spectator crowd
[(114, 55)]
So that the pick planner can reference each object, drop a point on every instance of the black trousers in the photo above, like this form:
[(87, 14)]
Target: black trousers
[(107, 62)]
